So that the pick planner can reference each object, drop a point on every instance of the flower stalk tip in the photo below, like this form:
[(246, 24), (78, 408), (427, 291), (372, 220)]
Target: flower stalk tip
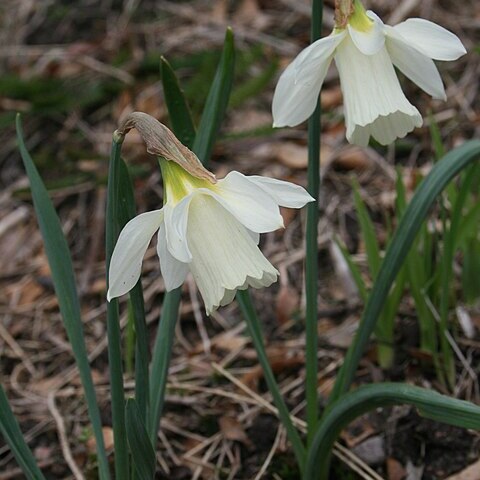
[(344, 9), (162, 142)]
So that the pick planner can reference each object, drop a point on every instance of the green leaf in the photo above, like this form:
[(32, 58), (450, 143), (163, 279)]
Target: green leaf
[(63, 278), (143, 454), (217, 101), (253, 324), (126, 212), (354, 270), (446, 273), (430, 404), (12, 434), (431, 187), (469, 225), (162, 352), (178, 109), (368, 232)]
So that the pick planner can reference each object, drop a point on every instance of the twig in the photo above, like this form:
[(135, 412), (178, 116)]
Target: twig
[(62, 435), (270, 455)]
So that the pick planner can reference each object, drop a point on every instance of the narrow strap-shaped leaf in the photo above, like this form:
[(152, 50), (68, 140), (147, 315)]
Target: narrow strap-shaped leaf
[(217, 101), (126, 213), (143, 454), (253, 324), (430, 404), (162, 352), (178, 109), (446, 272), (112, 230), (214, 112), (368, 232), (63, 278), (440, 175), (10, 431), (354, 270)]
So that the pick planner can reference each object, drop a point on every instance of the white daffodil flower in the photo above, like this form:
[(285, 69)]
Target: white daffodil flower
[(365, 51), (208, 228)]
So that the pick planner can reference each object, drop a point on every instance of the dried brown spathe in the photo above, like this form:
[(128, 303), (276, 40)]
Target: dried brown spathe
[(162, 142)]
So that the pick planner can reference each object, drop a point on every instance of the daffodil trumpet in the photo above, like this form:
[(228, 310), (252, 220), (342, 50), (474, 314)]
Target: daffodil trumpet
[(206, 226), (365, 52)]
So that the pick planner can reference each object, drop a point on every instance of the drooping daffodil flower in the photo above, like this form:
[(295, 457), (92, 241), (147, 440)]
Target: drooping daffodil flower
[(365, 52), (207, 227)]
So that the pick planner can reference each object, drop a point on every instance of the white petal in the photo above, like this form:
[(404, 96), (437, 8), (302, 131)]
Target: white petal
[(285, 194), (414, 65), (247, 202), (176, 218), (173, 271), (297, 90), (132, 243), (371, 42), (374, 102), (224, 256), (255, 236), (431, 39), (386, 128)]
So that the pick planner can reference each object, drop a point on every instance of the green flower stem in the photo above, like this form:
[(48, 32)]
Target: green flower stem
[(113, 324), (311, 264), (253, 324), (162, 352)]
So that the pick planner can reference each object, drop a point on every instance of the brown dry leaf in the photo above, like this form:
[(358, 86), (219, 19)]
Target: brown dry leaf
[(326, 385), (291, 155), (122, 105), (288, 214), (331, 97), (44, 268), (472, 472), (232, 429), (395, 470), (352, 158), (357, 432), (98, 378), (31, 291), (43, 452), (339, 336), (249, 13), (227, 341), (44, 386), (91, 443), (280, 360), (219, 11), (286, 303), (248, 118)]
